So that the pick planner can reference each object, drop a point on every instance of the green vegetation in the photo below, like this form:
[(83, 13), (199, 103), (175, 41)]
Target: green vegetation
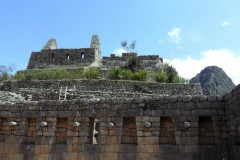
[(134, 63), (127, 74), (169, 75), (114, 73), (161, 77), (58, 74), (92, 73)]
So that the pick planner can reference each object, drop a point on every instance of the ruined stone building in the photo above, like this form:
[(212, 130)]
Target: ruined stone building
[(51, 56), (114, 120)]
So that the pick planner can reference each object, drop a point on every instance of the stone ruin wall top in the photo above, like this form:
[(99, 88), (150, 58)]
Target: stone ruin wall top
[(61, 57)]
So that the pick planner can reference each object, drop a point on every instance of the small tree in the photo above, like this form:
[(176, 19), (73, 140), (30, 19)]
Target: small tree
[(134, 63), (129, 48), (170, 71), (5, 72), (124, 45), (132, 46)]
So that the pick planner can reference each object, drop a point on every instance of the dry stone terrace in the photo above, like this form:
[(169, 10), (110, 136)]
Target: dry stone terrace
[(122, 128), (49, 89)]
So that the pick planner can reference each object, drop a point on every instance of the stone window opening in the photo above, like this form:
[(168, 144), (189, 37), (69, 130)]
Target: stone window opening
[(61, 130), (2, 128), (52, 56), (82, 55), (206, 132), (31, 130), (93, 129), (167, 132), (67, 56), (129, 131)]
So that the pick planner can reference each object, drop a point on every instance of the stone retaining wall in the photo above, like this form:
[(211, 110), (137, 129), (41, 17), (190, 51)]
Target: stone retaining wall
[(108, 86), (142, 128)]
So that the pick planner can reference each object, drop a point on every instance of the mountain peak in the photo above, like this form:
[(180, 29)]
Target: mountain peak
[(214, 81)]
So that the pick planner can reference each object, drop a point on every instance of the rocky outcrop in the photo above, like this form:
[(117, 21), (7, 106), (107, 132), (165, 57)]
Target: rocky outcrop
[(214, 81)]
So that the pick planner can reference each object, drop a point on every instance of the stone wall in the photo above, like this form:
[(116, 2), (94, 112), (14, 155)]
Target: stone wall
[(233, 113), (61, 57), (151, 61), (104, 86), (183, 127)]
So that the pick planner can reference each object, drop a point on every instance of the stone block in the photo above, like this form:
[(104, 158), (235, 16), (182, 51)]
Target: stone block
[(69, 156), (145, 156), (45, 140), (11, 139), (191, 148), (128, 148), (183, 140), (3, 148), (73, 140), (86, 156), (166, 149), (148, 140), (12, 157), (145, 148), (58, 148), (125, 156), (40, 157), (155, 119), (12, 148), (52, 156), (110, 156), (45, 149)]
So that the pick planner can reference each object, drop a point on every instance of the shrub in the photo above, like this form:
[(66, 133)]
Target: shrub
[(161, 77), (126, 74), (75, 74), (19, 76), (178, 79), (92, 73), (114, 73), (141, 75)]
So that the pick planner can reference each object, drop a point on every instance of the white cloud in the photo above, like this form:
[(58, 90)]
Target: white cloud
[(175, 35), (226, 23), (229, 61), (118, 52)]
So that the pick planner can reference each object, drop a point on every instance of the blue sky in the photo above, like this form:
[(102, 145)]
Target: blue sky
[(188, 34)]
